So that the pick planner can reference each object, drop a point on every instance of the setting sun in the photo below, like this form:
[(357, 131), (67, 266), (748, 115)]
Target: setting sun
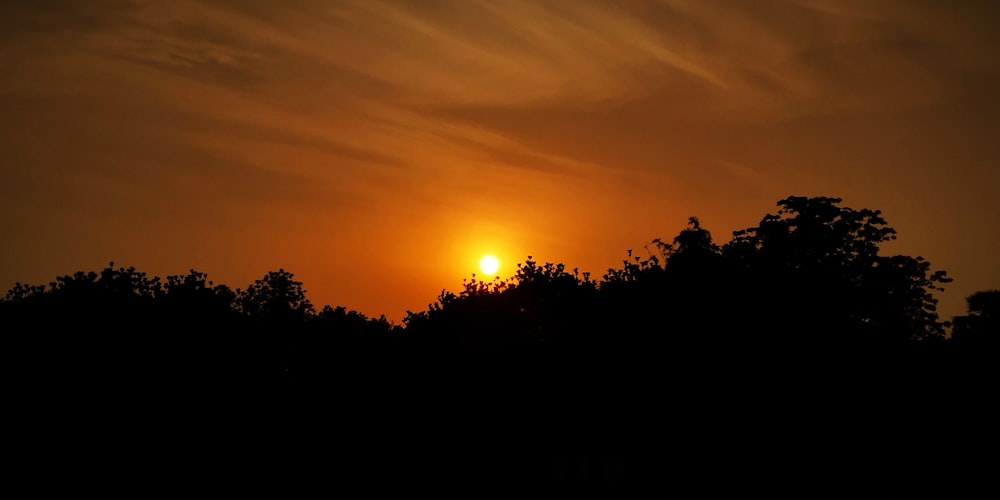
[(489, 264)]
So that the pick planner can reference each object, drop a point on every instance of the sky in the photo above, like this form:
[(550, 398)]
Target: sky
[(378, 149)]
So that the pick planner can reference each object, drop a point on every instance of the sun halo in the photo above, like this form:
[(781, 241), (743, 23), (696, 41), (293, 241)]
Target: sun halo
[(489, 264)]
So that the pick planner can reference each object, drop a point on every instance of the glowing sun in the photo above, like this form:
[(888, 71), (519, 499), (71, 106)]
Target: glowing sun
[(489, 264)]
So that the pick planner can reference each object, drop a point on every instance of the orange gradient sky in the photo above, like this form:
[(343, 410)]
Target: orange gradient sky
[(378, 150)]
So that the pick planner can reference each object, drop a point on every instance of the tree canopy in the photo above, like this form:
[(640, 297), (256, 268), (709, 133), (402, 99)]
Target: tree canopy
[(804, 307), (811, 273)]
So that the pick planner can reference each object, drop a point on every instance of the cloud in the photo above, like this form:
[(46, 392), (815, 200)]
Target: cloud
[(366, 112)]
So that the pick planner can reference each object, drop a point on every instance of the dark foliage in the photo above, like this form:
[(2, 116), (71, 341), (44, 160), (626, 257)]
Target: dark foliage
[(981, 328), (813, 273), (548, 375)]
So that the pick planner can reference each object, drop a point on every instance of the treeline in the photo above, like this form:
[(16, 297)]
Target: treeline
[(803, 306), (810, 276), (807, 284)]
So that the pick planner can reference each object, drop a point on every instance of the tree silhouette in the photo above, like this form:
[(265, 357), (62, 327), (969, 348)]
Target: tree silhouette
[(275, 298), (194, 295), (542, 305), (981, 327), (693, 347), (813, 273), (691, 247), (697, 285), (984, 304)]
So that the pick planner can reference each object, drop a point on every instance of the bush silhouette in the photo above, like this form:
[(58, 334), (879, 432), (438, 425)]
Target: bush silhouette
[(550, 367)]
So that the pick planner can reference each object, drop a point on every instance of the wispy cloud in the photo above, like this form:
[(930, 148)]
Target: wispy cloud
[(442, 113)]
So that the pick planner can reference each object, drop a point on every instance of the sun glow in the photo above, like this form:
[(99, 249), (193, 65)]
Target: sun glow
[(489, 264)]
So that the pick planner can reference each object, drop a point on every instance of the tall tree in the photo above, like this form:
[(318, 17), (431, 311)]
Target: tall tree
[(815, 271)]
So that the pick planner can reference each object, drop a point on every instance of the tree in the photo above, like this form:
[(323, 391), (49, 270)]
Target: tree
[(982, 325), (541, 306), (984, 305), (194, 297), (277, 297), (693, 243), (814, 269), (695, 284)]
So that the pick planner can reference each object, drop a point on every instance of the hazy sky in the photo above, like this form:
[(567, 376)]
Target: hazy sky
[(378, 149)]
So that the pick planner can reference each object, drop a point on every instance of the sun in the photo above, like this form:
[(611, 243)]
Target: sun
[(489, 264)]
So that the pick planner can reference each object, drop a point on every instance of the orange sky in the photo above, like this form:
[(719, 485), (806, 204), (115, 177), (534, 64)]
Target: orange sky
[(378, 149)]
